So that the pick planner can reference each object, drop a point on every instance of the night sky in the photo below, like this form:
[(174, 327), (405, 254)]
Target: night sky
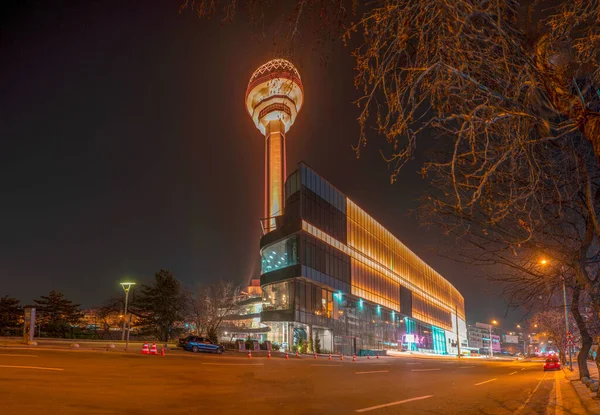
[(126, 148)]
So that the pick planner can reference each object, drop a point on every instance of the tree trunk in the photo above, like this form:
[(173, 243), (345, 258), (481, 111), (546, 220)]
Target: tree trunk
[(598, 363), (586, 339), (591, 130)]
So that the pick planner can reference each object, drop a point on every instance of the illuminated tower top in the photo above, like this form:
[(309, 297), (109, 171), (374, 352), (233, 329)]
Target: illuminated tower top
[(274, 92), (273, 99)]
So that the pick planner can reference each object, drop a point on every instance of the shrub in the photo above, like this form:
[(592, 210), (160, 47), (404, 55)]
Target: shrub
[(301, 345), (249, 344), (317, 343), (325, 351), (229, 345), (275, 346)]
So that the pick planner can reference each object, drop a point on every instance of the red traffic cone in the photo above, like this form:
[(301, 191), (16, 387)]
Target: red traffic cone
[(153, 349), (286, 356), (377, 357), (297, 354), (162, 351), (342, 357), (354, 358), (368, 357), (249, 354), (315, 355), (329, 356), (145, 349), (269, 354)]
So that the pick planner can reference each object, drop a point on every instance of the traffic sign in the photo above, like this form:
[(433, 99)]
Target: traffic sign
[(569, 335)]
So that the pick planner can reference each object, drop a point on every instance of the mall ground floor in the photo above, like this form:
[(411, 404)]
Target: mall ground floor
[(299, 310), (348, 338)]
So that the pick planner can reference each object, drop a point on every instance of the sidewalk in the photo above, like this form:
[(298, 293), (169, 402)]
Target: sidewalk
[(587, 397), (421, 355), (82, 344)]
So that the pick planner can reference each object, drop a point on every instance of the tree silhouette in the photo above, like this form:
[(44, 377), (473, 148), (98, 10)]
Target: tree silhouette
[(57, 314), (10, 316), (160, 306)]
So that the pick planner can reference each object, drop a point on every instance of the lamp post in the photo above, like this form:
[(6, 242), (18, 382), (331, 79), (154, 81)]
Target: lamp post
[(564, 287), (494, 322), (126, 287)]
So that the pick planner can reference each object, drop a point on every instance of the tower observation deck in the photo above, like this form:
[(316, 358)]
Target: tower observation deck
[(273, 99)]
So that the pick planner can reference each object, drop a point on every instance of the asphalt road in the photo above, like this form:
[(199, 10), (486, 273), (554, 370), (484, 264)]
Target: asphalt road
[(93, 382)]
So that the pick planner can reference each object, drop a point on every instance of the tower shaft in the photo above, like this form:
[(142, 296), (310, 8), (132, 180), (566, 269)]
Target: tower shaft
[(274, 171)]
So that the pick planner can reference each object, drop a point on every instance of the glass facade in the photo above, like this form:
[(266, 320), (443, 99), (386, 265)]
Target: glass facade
[(281, 254), (357, 285), (279, 296)]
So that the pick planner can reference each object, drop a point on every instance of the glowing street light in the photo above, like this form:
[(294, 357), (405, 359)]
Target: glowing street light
[(126, 287)]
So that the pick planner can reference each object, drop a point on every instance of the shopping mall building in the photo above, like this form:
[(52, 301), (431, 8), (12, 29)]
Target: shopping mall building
[(329, 268)]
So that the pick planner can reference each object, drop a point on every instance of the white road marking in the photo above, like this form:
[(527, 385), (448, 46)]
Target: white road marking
[(487, 381), (465, 367), (18, 355), (373, 371), (385, 405), (559, 409), (32, 367), (330, 365), (423, 370), (234, 364), (513, 373), (414, 363), (532, 393)]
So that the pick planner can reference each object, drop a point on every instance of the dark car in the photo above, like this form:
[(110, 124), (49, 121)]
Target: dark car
[(552, 364), (203, 344)]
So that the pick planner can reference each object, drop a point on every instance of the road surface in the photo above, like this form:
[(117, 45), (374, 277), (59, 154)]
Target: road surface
[(93, 382)]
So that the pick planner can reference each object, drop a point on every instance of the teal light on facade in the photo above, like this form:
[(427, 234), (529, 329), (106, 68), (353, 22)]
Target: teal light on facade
[(439, 340)]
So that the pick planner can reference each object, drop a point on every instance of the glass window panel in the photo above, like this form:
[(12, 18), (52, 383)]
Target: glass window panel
[(280, 255)]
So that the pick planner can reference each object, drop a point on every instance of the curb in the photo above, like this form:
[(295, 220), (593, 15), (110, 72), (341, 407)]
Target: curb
[(586, 397)]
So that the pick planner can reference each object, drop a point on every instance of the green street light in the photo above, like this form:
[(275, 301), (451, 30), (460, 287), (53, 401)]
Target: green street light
[(126, 287)]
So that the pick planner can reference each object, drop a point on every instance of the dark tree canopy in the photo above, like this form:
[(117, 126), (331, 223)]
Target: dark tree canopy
[(160, 306), (57, 314), (10, 316)]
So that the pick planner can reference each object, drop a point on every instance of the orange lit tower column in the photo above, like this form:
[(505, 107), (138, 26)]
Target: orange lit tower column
[(273, 99)]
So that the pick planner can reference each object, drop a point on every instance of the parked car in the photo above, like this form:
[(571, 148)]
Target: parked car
[(203, 344), (552, 364), (183, 341)]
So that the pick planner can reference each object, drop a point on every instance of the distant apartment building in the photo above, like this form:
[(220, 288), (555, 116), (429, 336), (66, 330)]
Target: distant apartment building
[(479, 338), (475, 337)]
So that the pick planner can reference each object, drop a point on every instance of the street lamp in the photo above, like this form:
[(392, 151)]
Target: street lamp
[(126, 287), (544, 262), (494, 322)]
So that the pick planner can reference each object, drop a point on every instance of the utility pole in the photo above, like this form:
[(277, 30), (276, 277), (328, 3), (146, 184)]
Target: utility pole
[(567, 322), (457, 336), (491, 343)]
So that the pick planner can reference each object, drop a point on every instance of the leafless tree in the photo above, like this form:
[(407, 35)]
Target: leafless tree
[(551, 322), (210, 305)]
